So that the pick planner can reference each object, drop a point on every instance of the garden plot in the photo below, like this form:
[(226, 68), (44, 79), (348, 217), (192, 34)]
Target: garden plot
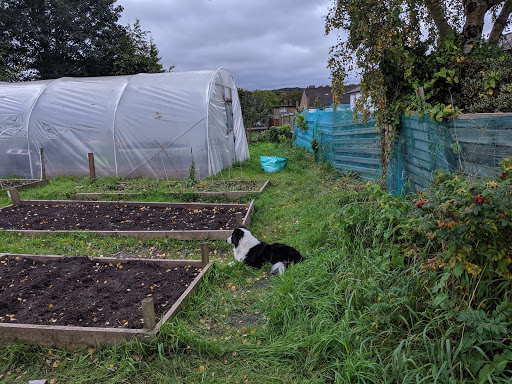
[(230, 189), (6, 184), (69, 300), (184, 221)]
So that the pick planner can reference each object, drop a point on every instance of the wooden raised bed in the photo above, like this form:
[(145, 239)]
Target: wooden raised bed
[(73, 336), (22, 183), (233, 195), (212, 234)]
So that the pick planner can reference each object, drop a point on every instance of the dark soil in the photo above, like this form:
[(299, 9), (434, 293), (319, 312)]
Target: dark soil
[(77, 291), (116, 217)]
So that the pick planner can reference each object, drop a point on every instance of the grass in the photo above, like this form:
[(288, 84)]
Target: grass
[(344, 315)]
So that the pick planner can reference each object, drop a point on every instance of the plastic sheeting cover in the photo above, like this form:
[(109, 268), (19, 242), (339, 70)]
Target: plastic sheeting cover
[(146, 124)]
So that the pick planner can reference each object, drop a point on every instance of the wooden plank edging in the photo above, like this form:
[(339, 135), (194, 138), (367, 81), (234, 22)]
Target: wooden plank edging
[(212, 234), (247, 219), (160, 262), (135, 203), (227, 194), (219, 234), (79, 336), (183, 299), (31, 183)]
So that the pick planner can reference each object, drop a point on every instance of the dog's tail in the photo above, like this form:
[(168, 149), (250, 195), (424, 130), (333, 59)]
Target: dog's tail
[(277, 268)]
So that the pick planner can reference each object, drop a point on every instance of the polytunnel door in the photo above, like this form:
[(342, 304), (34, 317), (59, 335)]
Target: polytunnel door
[(230, 130)]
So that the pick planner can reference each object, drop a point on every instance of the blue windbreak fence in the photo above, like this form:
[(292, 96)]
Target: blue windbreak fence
[(473, 145), (348, 145)]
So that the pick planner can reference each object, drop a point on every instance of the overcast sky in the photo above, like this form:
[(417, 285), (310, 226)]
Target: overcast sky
[(265, 44)]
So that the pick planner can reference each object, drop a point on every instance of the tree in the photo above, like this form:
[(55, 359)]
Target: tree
[(269, 98), (4, 69), (135, 53), (254, 107), (401, 44), (47, 39), (291, 95), (60, 38)]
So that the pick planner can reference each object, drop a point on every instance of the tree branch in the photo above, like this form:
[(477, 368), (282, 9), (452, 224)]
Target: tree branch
[(437, 13), (501, 22)]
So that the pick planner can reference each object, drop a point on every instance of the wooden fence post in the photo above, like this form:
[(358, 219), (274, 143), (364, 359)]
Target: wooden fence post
[(92, 167), (238, 216), (205, 257), (15, 196), (148, 313), (43, 165), (420, 93)]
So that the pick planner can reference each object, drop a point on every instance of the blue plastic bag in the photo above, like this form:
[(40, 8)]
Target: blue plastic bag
[(273, 163)]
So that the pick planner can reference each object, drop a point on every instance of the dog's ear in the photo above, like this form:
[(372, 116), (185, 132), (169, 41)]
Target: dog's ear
[(237, 236)]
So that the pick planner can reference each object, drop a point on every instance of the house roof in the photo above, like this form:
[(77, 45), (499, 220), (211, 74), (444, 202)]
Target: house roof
[(322, 93), (325, 94), (350, 88)]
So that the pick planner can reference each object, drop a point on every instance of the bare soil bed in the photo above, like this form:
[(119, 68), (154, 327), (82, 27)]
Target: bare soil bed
[(78, 291), (116, 217)]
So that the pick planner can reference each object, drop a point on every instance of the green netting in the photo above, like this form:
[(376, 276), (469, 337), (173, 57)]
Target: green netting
[(344, 142), (473, 145)]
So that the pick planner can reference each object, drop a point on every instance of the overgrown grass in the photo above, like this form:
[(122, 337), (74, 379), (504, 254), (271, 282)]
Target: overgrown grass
[(348, 314)]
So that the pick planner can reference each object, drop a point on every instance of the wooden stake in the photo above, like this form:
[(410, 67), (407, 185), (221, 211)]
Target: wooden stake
[(205, 257), (238, 219), (92, 167), (420, 93), (43, 166), (148, 313), (15, 196)]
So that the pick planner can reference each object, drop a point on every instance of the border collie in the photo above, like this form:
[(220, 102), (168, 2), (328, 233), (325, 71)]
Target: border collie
[(255, 253)]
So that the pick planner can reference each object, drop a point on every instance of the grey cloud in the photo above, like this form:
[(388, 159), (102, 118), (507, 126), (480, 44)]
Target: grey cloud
[(265, 44)]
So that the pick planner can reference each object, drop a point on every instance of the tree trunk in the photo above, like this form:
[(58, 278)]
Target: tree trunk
[(501, 22), (436, 11), (475, 12)]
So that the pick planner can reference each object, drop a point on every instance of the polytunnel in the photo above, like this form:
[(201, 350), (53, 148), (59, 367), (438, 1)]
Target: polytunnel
[(153, 125)]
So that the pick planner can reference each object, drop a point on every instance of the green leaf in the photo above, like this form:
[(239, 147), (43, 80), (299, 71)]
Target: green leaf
[(439, 299), (457, 269)]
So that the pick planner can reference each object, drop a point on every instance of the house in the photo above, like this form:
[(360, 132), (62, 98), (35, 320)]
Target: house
[(286, 107), (353, 92), (284, 114), (323, 96)]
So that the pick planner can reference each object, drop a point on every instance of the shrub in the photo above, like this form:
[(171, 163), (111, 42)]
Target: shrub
[(280, 134), (459, 226), (300, 121)]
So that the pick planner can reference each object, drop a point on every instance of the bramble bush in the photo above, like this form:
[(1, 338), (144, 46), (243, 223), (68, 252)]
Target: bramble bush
[(470, 223), (459, 230), (460, 226)]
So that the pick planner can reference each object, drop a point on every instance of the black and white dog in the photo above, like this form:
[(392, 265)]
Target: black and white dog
[(256, 253)]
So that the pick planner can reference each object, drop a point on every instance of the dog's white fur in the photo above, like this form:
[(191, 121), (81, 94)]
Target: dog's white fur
[(246, 243), (278, 267)]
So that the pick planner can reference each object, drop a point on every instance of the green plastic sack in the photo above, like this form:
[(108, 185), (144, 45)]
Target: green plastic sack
[(273, 163)]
